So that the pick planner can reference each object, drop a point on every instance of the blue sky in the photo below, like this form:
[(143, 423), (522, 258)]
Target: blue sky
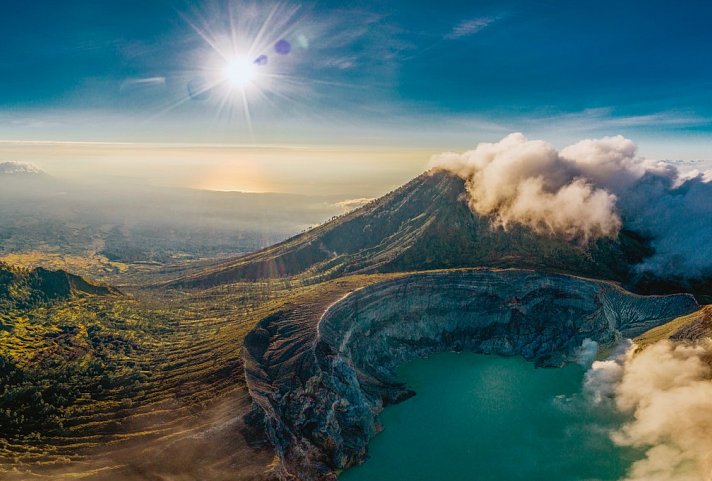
[(409, 74)]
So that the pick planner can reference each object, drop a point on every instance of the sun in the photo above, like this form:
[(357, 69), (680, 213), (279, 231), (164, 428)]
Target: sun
[(239, 72), (248, 62)]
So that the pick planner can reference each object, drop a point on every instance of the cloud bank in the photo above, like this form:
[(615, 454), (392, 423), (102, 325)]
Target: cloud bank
[(590, 190), (352, 204), (667, 391)]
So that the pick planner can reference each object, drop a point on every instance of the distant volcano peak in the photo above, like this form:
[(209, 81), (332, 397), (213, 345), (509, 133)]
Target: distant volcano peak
[(14, 168)]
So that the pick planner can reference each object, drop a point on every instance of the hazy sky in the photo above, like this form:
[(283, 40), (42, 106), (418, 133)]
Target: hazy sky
[(333, 95)]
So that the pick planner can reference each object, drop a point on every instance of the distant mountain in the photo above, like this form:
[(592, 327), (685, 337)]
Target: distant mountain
[(425, 224), (20, 169)]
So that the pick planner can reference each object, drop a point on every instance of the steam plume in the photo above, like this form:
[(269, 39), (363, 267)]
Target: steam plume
[(589, 190), (667, 390)]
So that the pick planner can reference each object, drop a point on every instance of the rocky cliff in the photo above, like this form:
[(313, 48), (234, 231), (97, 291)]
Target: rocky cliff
[(319, 384)]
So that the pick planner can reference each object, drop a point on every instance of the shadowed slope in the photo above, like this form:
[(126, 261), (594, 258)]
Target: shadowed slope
[(27, 287)]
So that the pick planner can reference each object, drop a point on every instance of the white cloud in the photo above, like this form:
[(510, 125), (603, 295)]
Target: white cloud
[(588, 191), (470, 27), (142, 82), (353, 204), (527, 182)]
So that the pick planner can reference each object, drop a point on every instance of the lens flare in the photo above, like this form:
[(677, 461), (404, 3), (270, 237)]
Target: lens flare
[(283, 47)]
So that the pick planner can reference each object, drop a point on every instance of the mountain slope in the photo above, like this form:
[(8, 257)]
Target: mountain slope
[(692, 327), (25, 288), (425, 224)]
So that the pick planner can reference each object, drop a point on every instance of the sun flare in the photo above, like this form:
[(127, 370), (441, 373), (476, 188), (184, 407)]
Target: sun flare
[(239, 72)]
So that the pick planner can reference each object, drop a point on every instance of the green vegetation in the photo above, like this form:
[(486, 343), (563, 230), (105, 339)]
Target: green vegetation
[(57, 353), (66, 346), (93, 368)]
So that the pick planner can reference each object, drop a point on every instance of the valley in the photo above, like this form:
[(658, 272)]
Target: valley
[(114, 382)]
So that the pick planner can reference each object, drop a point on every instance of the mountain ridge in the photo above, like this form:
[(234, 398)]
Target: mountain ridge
[(424, 224), (32, 286)]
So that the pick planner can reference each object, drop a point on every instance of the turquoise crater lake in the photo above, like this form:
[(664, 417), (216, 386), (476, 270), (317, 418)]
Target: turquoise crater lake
[(478, 417)]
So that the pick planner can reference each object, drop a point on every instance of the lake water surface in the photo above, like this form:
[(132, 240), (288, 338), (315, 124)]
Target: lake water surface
[(482, 418)]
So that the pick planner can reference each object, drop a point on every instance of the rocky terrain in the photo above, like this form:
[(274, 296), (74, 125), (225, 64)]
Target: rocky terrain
[(152, 381), (692, 327), (318, 380)]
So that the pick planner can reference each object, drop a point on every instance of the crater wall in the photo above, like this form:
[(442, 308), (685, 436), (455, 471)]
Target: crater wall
[(322, 409)]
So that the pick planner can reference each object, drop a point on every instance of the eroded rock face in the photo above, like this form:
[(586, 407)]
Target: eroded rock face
[(321, 413)]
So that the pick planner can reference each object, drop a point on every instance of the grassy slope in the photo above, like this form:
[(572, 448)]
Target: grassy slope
[(692, 327), (147, 369)]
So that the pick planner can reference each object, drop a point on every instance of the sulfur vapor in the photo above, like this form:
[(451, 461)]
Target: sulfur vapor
[(666, 389), (591, 190)]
